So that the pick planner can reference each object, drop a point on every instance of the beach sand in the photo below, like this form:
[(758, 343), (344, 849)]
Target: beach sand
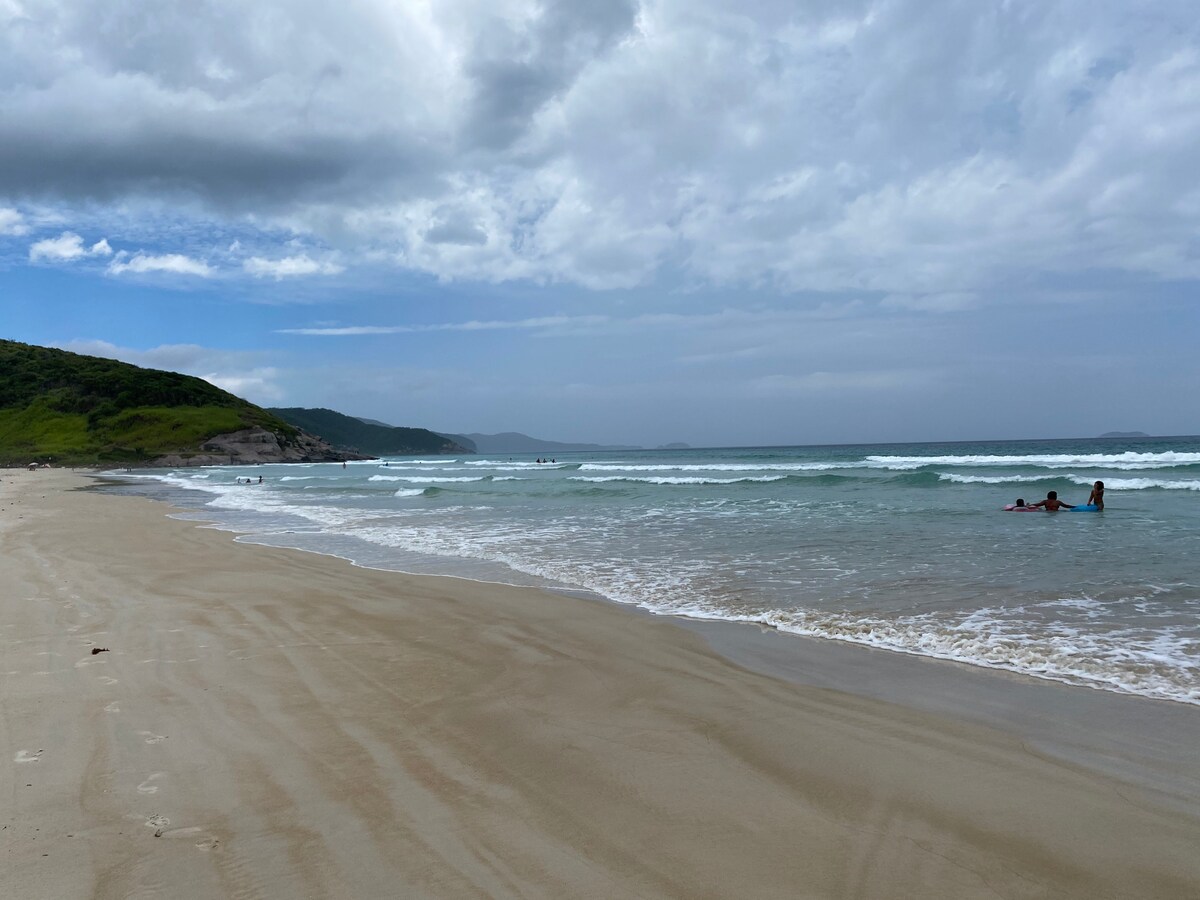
[(272, 723)]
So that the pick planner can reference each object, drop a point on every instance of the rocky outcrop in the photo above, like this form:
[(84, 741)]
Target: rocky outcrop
[(257, 445)]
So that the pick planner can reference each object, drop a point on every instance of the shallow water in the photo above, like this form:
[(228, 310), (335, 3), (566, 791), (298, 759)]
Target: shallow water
[(903, 547)]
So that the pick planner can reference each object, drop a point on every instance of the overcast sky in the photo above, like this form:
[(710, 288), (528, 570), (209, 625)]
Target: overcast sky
[(620, 221)]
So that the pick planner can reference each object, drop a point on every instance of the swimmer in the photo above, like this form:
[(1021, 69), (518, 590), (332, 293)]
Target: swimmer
[(1051, 503), (1096, 497)]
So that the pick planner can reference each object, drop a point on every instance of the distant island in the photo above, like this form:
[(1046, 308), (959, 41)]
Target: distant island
[(1124, 434)]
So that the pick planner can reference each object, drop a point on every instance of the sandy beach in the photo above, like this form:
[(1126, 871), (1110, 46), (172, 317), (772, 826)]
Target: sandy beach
[(272, 723)]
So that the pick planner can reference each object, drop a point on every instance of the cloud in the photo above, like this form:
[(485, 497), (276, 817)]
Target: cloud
[(289, 267), (541, 322), (239, 372), (12, 222), (820, 384), (904, 148), (951, 301), (66, 247), (257, 385), (174, 263)]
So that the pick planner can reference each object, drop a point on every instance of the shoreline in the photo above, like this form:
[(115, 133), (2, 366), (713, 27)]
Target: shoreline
[(1073, 638), (290, 724)]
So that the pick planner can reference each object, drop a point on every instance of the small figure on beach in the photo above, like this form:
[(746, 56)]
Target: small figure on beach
[(1096, 497), (1051, 503), (260, 479)]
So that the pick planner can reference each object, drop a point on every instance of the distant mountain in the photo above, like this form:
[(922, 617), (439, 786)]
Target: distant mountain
[(350, 432), (1124, 434), (71, 409), (514, 442)]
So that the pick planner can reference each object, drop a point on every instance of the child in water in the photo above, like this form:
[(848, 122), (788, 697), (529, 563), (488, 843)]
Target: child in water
[(1096, 497), (1051, 503)]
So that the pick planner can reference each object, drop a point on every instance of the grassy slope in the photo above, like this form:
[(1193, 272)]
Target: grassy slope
[(83, 409)]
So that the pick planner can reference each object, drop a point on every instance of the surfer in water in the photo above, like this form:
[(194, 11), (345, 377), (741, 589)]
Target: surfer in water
[(1096, 497), (1051, 503)]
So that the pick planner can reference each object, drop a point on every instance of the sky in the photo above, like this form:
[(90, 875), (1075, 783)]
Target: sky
[(620, 221)]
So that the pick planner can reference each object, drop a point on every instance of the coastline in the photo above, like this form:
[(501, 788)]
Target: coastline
[(270, 722)]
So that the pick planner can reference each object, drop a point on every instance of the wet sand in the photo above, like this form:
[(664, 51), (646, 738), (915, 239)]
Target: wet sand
[(272, 723)]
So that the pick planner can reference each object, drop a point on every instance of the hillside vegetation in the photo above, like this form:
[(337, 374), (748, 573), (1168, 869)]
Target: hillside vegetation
[(72, 409), (380, 440)]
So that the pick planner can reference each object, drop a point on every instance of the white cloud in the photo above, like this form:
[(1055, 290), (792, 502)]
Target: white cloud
[(257, 385), (66, 247), (541, 322), (825, 383), (289, 267), (238, 372), (173, 263), (952, 301), (907, 148), (12, 222)]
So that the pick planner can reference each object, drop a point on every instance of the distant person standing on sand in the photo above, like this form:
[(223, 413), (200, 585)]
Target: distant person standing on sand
[(1096, 497), (1051, 503)]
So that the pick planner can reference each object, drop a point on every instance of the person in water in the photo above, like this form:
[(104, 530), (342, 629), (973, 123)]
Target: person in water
[(1096, 497), (1051, 503), (1020, 504)]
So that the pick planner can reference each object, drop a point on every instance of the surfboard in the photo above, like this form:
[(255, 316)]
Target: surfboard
[(1092, 508)]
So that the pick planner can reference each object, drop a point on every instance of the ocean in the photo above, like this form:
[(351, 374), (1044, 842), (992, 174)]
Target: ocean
[(903, 547)]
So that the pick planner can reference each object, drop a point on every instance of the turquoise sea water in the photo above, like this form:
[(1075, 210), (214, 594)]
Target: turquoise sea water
[(903, 547)]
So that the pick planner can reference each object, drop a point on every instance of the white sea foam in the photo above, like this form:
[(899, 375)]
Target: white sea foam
[(516, 464), (681, 479), (409, 492), (419, 479), (992, 479), (1125, 461), (1141, 484), (719, 467), (1116, 484), (1157, 663)]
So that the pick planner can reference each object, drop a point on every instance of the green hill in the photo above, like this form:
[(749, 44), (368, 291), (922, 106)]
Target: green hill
[(73, 409), (380, 440)]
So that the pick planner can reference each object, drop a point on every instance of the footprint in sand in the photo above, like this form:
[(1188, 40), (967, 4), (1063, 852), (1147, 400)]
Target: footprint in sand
[(158, 823), (107, 679), (148, 786), (206, 842), (23, 756), (151, 737)]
